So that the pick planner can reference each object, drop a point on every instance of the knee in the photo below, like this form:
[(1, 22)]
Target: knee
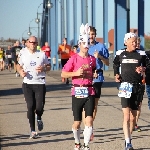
[(126, 118), (76, 125), (89, 121)]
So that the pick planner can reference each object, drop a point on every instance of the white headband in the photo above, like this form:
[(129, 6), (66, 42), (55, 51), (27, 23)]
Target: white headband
[(128, 36)]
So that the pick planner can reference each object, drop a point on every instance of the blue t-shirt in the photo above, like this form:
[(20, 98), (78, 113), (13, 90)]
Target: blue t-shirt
[(103, 51)]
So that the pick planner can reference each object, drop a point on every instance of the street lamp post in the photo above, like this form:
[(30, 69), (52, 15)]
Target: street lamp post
[(23, 33), (37, 20), (49, 6)]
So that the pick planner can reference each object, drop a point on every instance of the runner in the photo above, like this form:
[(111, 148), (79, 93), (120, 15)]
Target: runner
[(81, 67), (9, 57), (74, 50), (132, 63), (47, 50), (32, 67), (100, 52), (64, 51), (1, 59), (137, 128), (147, 80), (15, 51)]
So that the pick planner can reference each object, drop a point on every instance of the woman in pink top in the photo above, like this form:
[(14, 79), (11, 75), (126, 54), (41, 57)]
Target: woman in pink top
[(81, 67)]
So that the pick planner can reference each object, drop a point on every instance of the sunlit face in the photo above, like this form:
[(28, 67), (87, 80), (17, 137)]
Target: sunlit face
[(46, 44), (75, 50), (17, 43), (32, 43), (83, 47), (9, 47), (92, 36), (131, 43), (23, 42)]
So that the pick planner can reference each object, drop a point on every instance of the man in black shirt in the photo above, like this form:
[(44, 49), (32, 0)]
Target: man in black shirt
[(128, 66), (15, 51), (148, 80)]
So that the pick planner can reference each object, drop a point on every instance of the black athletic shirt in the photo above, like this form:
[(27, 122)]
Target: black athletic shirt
[(148, 69), (125, 64)]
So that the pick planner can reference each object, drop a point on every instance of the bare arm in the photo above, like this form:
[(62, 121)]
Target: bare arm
[(66, 74), (21, 71), (104, 60)]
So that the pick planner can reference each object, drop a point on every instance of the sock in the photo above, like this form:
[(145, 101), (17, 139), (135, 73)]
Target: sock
[(87, 135), (38, 117), (77, 135), (127, 141)]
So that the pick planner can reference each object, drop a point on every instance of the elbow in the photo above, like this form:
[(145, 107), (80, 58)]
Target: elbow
[(62, 75)]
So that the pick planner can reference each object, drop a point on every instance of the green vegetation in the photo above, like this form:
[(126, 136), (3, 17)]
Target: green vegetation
[(147, 44)]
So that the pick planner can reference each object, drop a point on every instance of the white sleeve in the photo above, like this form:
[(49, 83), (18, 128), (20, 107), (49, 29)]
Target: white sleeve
[(20, 62), (46, 62)]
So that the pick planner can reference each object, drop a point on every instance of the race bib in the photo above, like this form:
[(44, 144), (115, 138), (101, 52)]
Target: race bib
[(125, 90), (81, 92)]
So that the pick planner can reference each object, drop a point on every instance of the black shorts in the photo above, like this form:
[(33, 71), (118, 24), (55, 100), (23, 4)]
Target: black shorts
[(79, 103), (9, 60), (133, 102), (63, 62), (97, 86), (15, 60), (142, 93)]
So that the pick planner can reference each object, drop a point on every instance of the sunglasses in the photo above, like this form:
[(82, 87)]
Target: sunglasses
[(32, 42)]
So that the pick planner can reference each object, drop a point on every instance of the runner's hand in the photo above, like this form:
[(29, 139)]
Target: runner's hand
[(39, 69), (22, 73), (95, 75), (96, 54), (79, 72), (140, 69)]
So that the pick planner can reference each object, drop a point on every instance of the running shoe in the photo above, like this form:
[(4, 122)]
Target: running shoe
[(85, 148), (137, 128), (77, 146), (40, 125), (17, 74), (129, 147), (33, 135)]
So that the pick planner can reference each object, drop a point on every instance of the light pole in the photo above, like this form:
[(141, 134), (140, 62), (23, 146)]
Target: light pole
[(23, 33), (49, 6), (128, 15), (37, 20), (29, 31)]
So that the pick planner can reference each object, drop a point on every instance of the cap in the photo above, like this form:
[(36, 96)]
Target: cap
[(129, 35)]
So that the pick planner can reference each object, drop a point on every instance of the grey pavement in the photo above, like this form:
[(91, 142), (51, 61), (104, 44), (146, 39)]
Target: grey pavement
[(58, 119)]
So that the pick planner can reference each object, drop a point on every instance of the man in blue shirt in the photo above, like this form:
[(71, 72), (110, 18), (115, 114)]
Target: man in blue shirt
[(100, 52)]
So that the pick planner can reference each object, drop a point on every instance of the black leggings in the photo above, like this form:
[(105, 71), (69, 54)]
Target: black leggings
[(35, 99)]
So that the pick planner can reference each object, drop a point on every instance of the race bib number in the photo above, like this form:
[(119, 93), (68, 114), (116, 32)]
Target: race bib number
[(125, 90), (81, 92)]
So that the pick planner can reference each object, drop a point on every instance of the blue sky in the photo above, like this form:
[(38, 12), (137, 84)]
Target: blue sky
[(15, 16)]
